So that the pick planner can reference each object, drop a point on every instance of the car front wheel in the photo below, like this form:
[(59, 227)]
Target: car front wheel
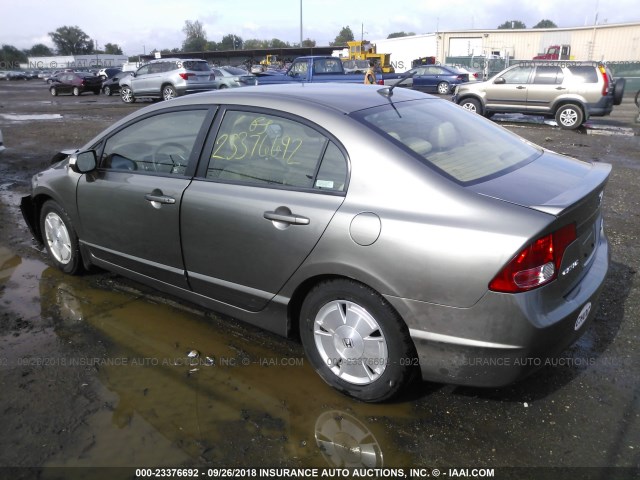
[(471, 104), (53, 91), (168, 92), (443, 88), (126, 94), (569, 117), (60, 238), (356, 341)]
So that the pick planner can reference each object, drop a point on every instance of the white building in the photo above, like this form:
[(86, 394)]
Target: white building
[(75, 61), (608, 43)]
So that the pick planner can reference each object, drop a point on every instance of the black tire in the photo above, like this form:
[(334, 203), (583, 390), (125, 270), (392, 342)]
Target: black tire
[(53, 91), (636, 100), (60, 238), (107, 91), (618, 90), (76, 91), (222, 85), (443, 88), (126, 94), (168, 92), (357, 310), (569, 116), (472, 105)]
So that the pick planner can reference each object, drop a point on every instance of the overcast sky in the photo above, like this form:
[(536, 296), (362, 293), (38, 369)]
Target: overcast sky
[(140, 26)]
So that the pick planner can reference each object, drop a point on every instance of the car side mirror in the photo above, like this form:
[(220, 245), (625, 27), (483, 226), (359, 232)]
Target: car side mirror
[(500, 81), (83, 162)]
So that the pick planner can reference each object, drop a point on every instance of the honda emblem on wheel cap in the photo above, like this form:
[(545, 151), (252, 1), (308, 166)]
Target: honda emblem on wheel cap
[(347, 342)]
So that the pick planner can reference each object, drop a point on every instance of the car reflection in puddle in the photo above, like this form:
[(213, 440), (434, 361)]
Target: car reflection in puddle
[(198, 389)]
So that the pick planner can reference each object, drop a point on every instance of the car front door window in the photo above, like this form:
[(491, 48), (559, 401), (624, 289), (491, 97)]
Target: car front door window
[(161, 144)]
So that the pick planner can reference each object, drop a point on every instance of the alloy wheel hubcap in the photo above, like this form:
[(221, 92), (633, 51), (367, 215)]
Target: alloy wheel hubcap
[(58, 238), (350, 342), (568, 117)]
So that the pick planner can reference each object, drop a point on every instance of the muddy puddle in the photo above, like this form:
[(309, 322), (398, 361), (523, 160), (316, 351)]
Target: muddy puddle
[(175, 385)]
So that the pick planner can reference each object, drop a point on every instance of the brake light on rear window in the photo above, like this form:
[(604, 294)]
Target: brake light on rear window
[(537, 264), (185, 76), (605, 77)]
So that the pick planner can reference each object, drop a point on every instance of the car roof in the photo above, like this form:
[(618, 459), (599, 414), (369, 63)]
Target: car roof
[(343, 98)]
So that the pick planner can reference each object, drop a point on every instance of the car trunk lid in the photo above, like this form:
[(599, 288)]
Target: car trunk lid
[(568, 189)]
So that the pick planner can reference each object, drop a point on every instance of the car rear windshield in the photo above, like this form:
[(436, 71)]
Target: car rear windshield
[(460, 144), (196, 66)]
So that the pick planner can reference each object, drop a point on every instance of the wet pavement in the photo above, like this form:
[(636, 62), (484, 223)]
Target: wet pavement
[(100, 371)]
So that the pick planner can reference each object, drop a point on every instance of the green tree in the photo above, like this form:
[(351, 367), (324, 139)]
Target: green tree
[(254, 43), (345, 35), (212, 46), (71, 41), (196, 40), (112, 49), (231, 42), (277, 43), (509, 24), (400, 34), (10, 55), (40, 50), (545, 24), (308, 43)]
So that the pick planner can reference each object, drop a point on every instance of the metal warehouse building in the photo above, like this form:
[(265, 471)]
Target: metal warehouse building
[(610, 43)]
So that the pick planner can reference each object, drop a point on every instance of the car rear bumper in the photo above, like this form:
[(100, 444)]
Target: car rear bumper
[(603, 108), (504, 337)]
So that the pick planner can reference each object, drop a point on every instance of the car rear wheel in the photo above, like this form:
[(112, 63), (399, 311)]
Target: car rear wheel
[(107, 91), (471, 104), (126, 94), (168, 92), (356, 341), (569, 117), (443, 88), (76, 91), (60, 238), (222, 85), (53, 91)]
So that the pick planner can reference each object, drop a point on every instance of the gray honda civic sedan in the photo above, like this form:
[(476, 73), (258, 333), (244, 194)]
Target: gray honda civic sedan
[(396, 234)]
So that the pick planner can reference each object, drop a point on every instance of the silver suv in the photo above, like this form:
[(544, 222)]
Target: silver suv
[(569, 91), (168, 78)]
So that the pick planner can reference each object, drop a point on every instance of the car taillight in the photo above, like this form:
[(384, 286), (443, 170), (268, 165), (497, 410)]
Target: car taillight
[(380, 82), (537, 264), (605, 77), (185, 76)]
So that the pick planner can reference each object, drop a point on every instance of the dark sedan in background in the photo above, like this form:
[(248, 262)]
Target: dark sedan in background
[(395, 233), (431, 78), (76, 83), (112, 85)]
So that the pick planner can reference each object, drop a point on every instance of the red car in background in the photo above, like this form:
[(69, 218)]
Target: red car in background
[(76, 83)]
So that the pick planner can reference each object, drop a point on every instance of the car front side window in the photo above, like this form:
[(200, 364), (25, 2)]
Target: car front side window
[(161, 144), (517, 75)]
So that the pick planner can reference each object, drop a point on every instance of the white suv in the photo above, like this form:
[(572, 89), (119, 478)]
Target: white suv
[(168, 78)]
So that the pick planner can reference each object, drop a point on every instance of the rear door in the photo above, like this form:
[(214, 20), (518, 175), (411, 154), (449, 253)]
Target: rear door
[(545, 88), (130, 208), (260, 204)]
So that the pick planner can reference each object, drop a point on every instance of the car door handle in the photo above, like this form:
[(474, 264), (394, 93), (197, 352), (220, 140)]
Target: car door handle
[(292, 219), (560, 88), (160, 198), (520, 87)]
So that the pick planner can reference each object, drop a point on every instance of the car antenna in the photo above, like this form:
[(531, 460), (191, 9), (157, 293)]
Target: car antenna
[(388, 91)]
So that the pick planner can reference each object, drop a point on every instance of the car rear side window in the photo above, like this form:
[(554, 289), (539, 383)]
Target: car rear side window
[(450, 139), (584, 74), (160, 144), (256, 148)]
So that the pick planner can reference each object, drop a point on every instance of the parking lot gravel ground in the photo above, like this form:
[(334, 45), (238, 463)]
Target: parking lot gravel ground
[(95, 370)]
